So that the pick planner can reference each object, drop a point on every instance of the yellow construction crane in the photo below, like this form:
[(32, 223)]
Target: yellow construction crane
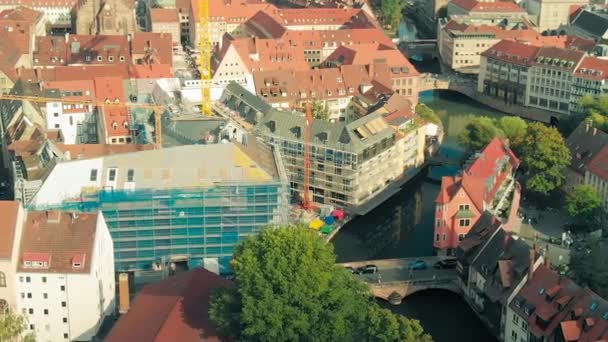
[(206, 49), (157, 109)]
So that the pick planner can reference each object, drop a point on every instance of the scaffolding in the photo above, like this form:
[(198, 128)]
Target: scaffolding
[(148, 226)]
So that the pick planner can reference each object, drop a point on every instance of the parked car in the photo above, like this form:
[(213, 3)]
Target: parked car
[(368, 269), (446, 263), (417, 265), (351, 270)]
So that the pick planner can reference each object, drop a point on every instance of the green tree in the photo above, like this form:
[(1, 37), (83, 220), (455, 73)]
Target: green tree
[(596, 109), (288, 288), (12, 327), (544, 157), (514, 129), (583, 203), (478, 133), (588, 265), (319, 111), (392, 11), (428, 114)]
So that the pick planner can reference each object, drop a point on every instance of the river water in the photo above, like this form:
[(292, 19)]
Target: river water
[(403, 227)]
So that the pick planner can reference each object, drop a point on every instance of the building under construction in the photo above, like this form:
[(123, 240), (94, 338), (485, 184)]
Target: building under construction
[(189, 203), (351, 164)]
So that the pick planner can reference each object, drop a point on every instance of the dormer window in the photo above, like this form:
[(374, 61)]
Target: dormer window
[(122, 58), (87, 58), (99, 58), (111, 59)]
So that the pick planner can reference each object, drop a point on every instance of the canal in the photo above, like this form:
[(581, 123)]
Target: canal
[(403, 227)]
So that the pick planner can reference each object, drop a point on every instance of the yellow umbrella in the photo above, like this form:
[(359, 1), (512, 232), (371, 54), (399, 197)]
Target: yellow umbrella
[(316, 224)]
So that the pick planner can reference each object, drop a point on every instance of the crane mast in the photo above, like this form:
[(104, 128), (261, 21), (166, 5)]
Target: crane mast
[(205, 48)]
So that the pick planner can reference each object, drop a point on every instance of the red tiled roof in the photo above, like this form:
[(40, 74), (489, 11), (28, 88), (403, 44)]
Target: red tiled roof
[(67, 89), (161, 43), (496, 6), (174, 309), (21, 13), (592, 68), (8, 225), (474, 178), (57, 240), (554, 53), (73, 73), (317, 16), (150, 71), (366, 54), (164, 15), (264, 25), (512, 52), (116, 118), (40, 3), (599, 164)]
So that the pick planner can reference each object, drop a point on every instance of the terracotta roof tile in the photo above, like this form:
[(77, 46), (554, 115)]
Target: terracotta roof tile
[(174, 309), (599, 164), (164, 15), (21, 13), (57, 238), (40, 3), (160, 43), (592, 68), (74, 73), (495, 6), (150, 71), (9, 211), (116, 118), (512, 52)]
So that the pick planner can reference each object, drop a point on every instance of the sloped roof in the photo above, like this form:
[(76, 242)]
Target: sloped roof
[(174, 309), (592, 23), (116, 118), (484, 6), (599, 164), (60, 237), (164, 15), (584, 144), (8, 225)]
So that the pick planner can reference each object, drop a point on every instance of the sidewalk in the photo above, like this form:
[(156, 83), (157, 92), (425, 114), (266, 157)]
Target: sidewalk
[(548, 224)]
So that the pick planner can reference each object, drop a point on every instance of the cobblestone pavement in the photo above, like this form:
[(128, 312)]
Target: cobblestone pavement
[(541, 225)]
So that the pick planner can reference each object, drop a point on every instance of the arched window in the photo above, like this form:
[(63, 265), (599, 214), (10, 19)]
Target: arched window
[(2, 279)]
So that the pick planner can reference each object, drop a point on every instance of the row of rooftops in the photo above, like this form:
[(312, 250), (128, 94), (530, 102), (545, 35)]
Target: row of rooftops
[(101, 49), (577, 62), (554, 306), (474, 6)]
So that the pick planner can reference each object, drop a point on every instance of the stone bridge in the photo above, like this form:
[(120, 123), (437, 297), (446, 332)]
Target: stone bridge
[(395, 281)]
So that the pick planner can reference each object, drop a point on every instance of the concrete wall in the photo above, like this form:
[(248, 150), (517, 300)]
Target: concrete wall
[(66, 181)]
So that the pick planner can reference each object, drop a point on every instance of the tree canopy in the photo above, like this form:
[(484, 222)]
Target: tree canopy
[(478, 133), (12, 327), (514, 128), (583, 203), (544, 157), (319, 111), (287, 287), (428, 114), (392, 11), (596, 109), (588, 265)]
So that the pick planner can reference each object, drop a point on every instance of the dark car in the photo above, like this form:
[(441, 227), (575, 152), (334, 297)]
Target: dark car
[(446, 263), (368, 269)]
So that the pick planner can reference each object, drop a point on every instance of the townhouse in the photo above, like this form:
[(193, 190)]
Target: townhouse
[(115, 124), (486, 184), (552, 78), (463, 40), (492, 267), (584, 143), (596, 174), (166, 20), (65, 275), (551, 307)]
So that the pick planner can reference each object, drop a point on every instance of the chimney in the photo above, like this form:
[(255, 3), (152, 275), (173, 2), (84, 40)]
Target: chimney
[(67, 37), (123, 292), (594, 131), (507, 242), (67, 155)]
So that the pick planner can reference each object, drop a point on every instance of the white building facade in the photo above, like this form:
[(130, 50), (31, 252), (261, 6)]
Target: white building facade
[(68, 305)]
